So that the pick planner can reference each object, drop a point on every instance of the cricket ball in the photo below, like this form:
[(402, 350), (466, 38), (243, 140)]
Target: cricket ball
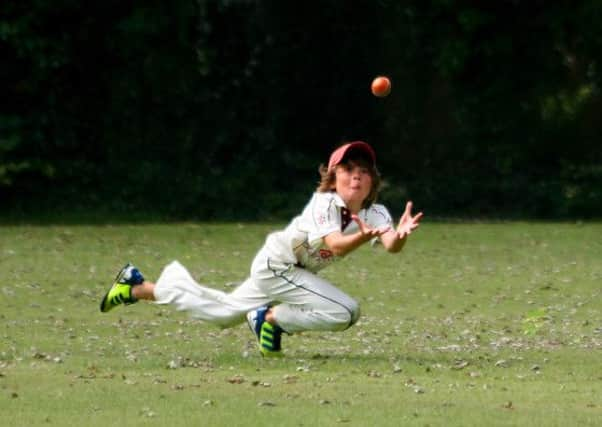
[(381, 86)]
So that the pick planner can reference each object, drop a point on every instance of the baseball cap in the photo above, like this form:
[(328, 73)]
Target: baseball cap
[(337, 155)]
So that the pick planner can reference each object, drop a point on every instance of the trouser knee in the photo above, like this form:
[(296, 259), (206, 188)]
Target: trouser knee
[(354, 313), (346, 317)]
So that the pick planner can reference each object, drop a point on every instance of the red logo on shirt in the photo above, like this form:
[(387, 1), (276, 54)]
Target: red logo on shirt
[(325, 253)]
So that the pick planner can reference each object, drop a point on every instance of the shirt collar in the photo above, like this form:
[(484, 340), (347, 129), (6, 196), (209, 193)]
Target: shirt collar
[(338, 201)]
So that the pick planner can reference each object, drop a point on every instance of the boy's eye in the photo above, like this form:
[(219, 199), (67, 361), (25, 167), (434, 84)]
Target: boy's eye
[(350, 168)]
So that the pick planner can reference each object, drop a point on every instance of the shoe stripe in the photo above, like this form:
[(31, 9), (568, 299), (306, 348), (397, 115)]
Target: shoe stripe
[(121, 291), (121, 299), (267, 328), (269, 343), (266, 338), (269, 338), (265, 342), (268, 346)]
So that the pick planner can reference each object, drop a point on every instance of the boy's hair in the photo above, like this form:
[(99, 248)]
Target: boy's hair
[(328, 177)]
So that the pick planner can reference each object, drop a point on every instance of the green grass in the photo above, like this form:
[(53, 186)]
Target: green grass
[(473, 324)]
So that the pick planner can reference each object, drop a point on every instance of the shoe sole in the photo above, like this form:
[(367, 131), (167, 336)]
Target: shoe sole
[(249, 323), (105, 299)]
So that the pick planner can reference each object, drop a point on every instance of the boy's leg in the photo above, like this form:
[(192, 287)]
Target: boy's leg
[(313, 303), (145, 291), (306, 301), (176, 286)]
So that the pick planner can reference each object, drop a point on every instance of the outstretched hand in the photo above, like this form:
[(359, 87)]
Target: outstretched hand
[(393, 239), (407, 222), (366, 230)]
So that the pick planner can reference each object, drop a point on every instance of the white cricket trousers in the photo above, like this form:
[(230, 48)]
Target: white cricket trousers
[(302, 301)]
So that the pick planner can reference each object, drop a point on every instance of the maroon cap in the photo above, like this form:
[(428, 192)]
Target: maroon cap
[(337, 155)]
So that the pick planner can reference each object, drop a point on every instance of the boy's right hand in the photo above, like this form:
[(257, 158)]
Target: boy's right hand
[(366, 230)]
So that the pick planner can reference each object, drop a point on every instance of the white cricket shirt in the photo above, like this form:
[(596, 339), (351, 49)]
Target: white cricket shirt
[(301, 242)]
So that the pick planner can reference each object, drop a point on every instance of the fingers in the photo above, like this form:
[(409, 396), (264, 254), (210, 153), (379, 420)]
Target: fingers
[(359, 222), (364, 229), (357, 219), (408, 223), (377, 232), (418, 217), (406, 213), (382, 230)]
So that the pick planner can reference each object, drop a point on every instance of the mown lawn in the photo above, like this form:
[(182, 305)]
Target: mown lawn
[(473, 324)]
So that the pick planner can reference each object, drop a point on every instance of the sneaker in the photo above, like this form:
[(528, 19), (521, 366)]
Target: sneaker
[(268, 335), (121, 291)]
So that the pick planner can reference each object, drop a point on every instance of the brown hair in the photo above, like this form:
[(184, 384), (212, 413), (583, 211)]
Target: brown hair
[(328, 178)]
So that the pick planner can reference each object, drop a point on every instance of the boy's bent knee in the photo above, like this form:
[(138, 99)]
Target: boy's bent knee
[(346, 318), (354, 312)]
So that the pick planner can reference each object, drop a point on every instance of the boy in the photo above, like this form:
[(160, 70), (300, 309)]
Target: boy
[(283, 293)]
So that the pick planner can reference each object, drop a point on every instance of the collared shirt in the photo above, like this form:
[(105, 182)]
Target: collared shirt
[(302, 241)]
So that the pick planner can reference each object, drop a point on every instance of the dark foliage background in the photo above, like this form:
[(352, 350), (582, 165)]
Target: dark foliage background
[(224, 109)]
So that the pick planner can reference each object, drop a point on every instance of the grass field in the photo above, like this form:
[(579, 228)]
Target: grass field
[(474, 324)]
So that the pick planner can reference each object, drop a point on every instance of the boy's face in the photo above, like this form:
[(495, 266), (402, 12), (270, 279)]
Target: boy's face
[(353, 183)]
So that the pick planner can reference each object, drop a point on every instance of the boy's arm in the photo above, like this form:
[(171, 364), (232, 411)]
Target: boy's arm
[(341, 244), (392, 239)]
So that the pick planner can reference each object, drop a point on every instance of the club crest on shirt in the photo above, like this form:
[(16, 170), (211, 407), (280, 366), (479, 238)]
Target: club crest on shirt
[(325, 254), (321, 219)]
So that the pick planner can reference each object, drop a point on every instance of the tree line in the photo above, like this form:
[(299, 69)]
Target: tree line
[(224, 109)]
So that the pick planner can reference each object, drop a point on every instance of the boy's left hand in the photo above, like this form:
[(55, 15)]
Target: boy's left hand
[(407, 222)]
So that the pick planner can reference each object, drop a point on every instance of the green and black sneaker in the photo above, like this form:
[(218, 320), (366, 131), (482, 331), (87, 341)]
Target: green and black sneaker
[(121, 291), (268, 335)]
